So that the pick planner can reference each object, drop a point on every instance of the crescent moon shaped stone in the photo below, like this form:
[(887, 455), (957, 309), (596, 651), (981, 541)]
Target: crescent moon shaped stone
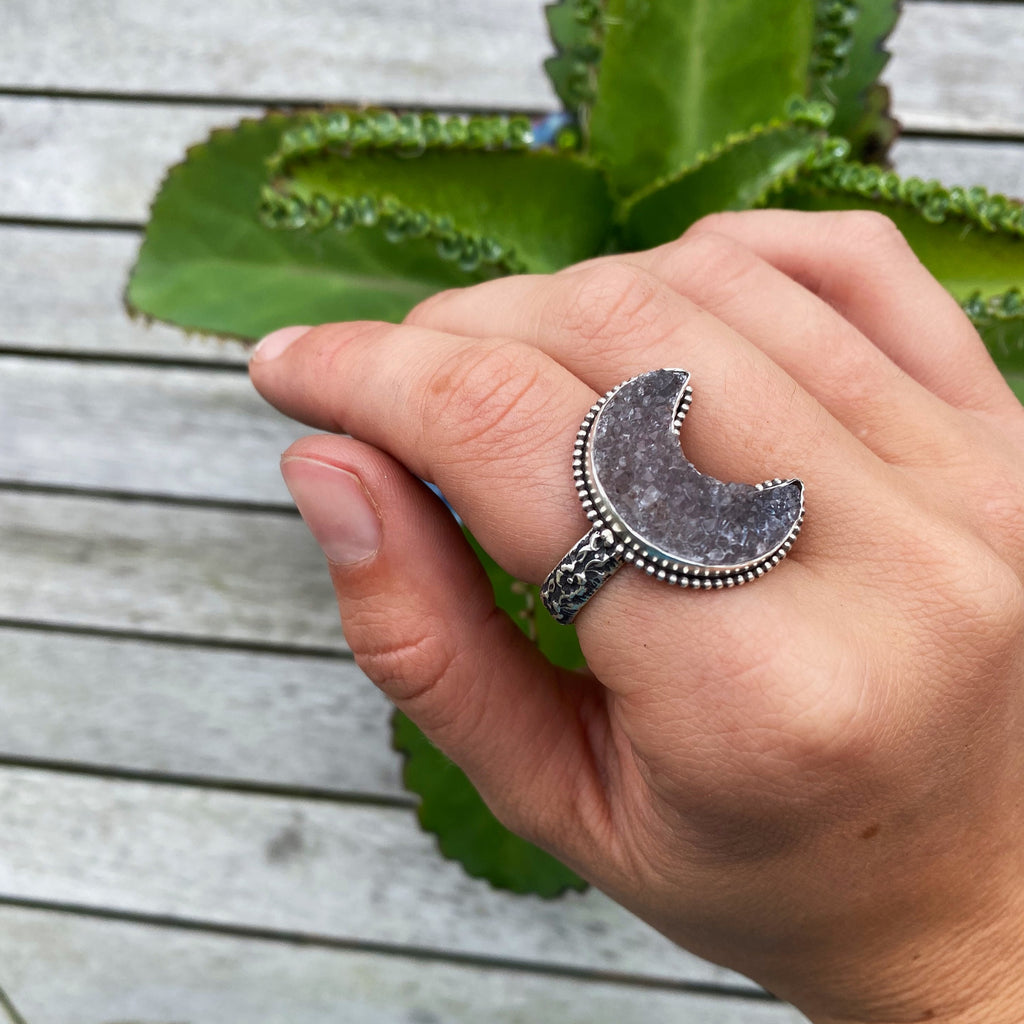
[(664, 511)]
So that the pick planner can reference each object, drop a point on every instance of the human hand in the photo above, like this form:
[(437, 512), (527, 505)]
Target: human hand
[(817, 779)]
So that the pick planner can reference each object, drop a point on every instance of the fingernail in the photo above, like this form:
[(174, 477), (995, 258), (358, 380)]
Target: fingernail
[(336, 508), (276, 342)]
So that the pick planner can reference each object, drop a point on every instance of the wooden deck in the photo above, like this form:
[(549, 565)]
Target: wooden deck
[(200, 817)]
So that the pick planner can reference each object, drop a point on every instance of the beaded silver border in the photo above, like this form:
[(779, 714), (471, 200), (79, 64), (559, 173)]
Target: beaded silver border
[(632, 547)]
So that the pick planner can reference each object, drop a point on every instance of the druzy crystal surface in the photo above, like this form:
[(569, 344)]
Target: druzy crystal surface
[(671, 507)]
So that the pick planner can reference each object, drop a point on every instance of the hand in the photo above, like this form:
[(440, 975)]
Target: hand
[(817, 779)]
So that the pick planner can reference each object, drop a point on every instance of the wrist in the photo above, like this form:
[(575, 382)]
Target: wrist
[(974, 977)]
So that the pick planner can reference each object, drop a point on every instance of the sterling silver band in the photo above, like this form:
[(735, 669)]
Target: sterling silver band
[(580, 573), (649, 506)]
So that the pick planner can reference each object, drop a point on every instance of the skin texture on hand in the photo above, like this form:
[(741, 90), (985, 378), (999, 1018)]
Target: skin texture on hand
[(816, 779)]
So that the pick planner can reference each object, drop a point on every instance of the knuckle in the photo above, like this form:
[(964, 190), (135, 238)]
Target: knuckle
[(1003, 508), (713, 223), (486, 393), (963, 606), (427, 312), (606, 302), (713, 266), (867, 231), (992, 605), (785, 707)]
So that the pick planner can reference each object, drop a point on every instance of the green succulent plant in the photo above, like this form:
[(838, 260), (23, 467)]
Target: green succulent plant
[(672, 109)]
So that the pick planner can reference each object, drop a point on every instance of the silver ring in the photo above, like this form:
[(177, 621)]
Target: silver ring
[(650, 507)]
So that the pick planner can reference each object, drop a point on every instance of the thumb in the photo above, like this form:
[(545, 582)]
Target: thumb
[(419, 614)]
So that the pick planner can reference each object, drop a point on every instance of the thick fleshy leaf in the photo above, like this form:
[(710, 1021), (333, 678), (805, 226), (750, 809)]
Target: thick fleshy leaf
[(677, 77), (971, 241), (208, 262), (449, 805), (575, 30), (477, 199), (737, 176), (861, 102)]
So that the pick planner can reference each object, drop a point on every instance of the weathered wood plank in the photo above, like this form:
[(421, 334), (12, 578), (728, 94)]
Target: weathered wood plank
[(297, 721), (956, 66), (87, 160), (57, 968), (999, 166), (205, 573), (102, 161), (402, 51), (181, 432), (61, 289), (311, 867)]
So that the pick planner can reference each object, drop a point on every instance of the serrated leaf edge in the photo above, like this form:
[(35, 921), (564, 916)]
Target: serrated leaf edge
[(730, 142), (995, 310), (443, 846), (288, 206), (832, 40), (585, 60), (347, 130), (992, 212), (887, 127), (195, 151)]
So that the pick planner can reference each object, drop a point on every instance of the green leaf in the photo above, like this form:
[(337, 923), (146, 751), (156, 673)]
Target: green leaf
[(466, 830), (737, 176), (450, 807), (478, 200), (208, 263), (1016, 381), (861, 102), (999, 319), (575, 29), (973, 242), (678, 76)]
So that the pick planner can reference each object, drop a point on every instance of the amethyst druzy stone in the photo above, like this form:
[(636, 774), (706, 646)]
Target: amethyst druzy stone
[(670, 507)]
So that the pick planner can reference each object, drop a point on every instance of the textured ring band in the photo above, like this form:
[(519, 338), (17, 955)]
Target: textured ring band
[(649, 506)]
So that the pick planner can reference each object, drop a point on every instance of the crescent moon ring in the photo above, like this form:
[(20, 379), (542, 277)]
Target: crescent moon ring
[(650, 507)]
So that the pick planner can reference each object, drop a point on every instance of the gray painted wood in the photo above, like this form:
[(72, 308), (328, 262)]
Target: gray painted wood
[(415, 51), (999, 166), (60, 968), (404, 50), (957, 67), (154, 429), (86, 160), (60, 290), (306, 722), (206, 573), (313, 867)]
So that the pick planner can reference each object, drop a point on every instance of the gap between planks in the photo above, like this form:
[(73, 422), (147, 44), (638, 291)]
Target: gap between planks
[(351, 874), (747, 992)]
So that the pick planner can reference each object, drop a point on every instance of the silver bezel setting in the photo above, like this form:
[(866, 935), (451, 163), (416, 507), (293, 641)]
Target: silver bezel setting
[(638, 551)]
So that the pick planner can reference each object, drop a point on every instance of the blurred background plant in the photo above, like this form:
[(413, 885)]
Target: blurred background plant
[(672, 109)]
